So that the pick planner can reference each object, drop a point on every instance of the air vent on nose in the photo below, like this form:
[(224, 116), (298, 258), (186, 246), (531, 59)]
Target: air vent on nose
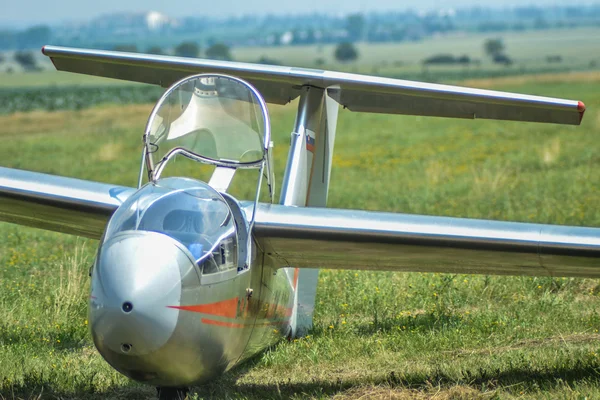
[(127, 307)]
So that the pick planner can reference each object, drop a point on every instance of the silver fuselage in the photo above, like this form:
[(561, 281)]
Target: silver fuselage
[(154, 319)]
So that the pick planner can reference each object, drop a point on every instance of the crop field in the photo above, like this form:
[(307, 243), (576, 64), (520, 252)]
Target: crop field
[(75, 98), (376, 335)]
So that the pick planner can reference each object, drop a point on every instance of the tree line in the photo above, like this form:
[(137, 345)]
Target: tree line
[(217, 51), (344, 52)]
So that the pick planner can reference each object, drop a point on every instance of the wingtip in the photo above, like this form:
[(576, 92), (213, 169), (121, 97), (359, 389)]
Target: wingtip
[(581, 109), (51, 59)]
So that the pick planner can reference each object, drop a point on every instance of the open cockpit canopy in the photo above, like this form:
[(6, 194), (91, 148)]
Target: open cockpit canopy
[(211, 118), (188, 211)]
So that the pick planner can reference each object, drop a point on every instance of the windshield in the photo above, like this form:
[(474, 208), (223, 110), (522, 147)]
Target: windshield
[(216, 117), (190, 212)]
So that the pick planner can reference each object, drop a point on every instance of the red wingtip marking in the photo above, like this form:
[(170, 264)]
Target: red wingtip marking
[(44, 50), (581, 109), (225, 308)]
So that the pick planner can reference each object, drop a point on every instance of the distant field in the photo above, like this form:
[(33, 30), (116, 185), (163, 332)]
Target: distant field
[(376, 335), (529, 49), (579, 48), (53, 78)]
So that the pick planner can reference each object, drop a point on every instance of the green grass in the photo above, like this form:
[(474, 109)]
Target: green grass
[(376, 335)]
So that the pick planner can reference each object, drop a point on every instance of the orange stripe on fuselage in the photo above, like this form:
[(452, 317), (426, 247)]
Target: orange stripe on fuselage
[(296, 273), (236, 325), (225, 308), (222, 323)]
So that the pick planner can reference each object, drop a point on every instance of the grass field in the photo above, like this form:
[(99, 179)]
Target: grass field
[(376, 335)]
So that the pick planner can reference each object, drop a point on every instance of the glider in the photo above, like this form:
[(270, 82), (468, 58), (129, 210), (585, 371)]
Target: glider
[(189, 281)]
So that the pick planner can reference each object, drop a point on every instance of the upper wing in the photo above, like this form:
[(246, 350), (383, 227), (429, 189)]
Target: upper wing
[(330, 238), (280, 85)]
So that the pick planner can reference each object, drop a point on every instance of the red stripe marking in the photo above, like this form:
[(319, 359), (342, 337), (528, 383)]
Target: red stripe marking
[(225, 308)]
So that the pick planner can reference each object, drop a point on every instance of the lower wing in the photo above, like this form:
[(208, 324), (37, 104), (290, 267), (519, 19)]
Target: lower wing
[(332, 238)]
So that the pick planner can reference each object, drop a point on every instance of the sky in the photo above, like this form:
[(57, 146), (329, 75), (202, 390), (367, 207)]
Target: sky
[(19, 13)]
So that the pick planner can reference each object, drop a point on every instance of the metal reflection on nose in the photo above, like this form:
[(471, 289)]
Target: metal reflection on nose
[(137, 275)]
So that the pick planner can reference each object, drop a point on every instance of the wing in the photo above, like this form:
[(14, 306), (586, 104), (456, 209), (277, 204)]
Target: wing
[(330, 238), (57, 203), (356, 92), (351, 239)]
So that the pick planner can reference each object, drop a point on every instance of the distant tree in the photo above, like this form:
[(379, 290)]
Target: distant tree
[(502, 59), (311, 37), (493, 47), (519, 26), (399, 34), (319, 62), (277, 39), (490, 26), (554, 58), (268, 61), (8, 39), (440, 59), (345, 52), (155, 50), (1, 58), (187, 49), (211, 40), (541, 23), (464, 59), (26, 59), (219, 51), (131, 48), (355, 26), (34, 36)]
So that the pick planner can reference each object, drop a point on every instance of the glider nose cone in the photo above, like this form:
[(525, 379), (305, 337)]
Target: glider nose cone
[(137, 275)]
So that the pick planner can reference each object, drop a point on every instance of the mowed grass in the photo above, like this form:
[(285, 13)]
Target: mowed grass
[(376, 335)]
